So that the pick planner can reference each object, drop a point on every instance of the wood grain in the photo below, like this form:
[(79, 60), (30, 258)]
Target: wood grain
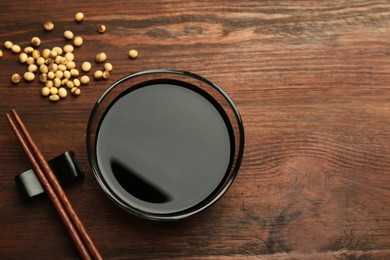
[(311, 80)]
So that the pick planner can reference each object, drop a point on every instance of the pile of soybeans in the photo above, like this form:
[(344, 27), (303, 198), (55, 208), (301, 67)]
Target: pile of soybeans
[(56, 67)]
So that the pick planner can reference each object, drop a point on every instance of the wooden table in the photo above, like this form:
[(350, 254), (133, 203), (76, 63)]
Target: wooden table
[(311, 80)]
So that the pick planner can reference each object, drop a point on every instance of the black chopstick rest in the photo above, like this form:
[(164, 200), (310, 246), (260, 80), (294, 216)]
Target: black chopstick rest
[(65, 167)]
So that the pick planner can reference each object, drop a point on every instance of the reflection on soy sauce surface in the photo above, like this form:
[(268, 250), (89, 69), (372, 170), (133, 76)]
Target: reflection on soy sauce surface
[(137, 186)]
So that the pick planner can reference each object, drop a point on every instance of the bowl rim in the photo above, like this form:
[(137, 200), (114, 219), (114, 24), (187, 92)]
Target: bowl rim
[(172, 216)]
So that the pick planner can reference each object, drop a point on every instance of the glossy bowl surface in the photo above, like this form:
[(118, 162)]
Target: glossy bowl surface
[(127, 86)]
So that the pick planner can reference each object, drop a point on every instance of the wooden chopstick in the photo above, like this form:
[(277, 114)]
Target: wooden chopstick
[(74, 225)]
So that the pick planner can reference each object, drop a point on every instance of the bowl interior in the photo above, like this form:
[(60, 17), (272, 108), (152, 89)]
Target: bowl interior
[(164, 144)]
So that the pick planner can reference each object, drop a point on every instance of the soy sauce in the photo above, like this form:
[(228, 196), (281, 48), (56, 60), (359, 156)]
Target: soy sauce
[(164, 146)]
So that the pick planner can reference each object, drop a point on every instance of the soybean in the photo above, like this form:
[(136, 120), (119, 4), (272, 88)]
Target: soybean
[(16, 78), (58, 59), (78, 41), (45, 91), (35, 41), (23, 57), (53, 54), (68, 48), (133, 54), (67, 74), (58, 50), (69, 56), (30, 60), (106, 74), (29, 76), (57, 82), (69, 84), (100, 57), (74, 72), (54, 98), (48, 26), (15, 48), (43, 78), (64, 81), (98, 74), (62, 93), (84, 79), (45, 53), (40, 61), (28, 50), (32, 68), (50, 75), (49, 84), (63, 60), (79, 17), (86, 66), (75, 91), (108, 67), (62, 67), (49, 61), (76, 82), (53, 67), (35, 54), (59, 74), (68, 35), (70, 65), (8, 45), (101, 28), (43, 69)]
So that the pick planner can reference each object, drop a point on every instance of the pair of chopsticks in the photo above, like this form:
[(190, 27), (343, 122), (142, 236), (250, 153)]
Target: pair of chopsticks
[(68, 215)]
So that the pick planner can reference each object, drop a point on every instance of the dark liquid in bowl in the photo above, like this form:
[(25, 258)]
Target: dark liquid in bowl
[(164, 146)]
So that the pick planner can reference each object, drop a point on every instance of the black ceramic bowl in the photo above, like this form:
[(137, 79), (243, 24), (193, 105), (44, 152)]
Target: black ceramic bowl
[(165, 144)]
